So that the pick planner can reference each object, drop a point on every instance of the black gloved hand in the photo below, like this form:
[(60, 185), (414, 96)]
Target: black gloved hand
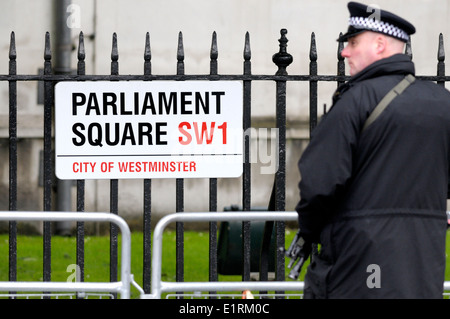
[(299, 250)]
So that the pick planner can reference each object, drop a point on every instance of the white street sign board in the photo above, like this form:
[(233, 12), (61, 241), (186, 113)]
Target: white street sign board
[(148, 129)]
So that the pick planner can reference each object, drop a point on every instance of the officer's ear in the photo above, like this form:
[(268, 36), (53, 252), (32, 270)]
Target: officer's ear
[(380, 44)]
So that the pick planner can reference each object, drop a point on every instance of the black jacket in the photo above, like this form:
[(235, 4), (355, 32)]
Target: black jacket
[(376, 200)]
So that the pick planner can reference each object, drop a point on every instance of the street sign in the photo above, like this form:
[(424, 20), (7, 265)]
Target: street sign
[(148, 129)]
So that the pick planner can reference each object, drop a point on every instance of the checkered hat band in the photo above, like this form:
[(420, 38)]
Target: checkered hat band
[(378, 26)]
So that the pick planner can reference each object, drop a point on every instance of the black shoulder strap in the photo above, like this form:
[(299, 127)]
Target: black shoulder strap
[(392, 94)]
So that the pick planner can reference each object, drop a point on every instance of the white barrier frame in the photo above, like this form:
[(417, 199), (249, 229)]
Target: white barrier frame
[(122, 287), (159, 286)]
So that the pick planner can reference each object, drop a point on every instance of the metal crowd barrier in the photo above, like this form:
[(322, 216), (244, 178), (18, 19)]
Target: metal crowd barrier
[(159, 286), (122, 287)]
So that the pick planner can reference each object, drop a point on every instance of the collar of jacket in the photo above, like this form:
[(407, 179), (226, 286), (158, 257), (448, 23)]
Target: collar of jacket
[(396, 64)]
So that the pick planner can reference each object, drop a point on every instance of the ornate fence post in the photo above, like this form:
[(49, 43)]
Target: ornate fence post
[(12, 159), (246, 176), (114, 183), (312, 83), (146, 275), (48, 161), (282, 59), (81, 70), (180, 184), (213, 275)]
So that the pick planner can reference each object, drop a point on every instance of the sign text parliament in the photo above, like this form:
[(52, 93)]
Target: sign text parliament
[(148, 129)]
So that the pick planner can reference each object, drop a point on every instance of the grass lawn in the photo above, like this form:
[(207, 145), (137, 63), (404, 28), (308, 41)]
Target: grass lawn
[(29, 258), (96, 268)]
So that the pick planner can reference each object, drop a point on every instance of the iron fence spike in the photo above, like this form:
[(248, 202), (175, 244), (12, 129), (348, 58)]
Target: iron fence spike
[(81, 50), (12, 47), (441, 50)]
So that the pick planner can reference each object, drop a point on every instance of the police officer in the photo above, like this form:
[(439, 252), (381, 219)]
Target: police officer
[(375, 198)]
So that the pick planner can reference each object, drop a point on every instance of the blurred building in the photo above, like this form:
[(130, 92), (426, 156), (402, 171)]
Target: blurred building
[(197, 20)]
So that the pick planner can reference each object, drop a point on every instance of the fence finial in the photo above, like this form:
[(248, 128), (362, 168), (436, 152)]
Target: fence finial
[(441, 59), (47, 50), (81, 66), (214, 53), (313, 48), (81, 51), (282, 59), (247, 51), (12, 47), (114, 56), (180, 55), (114, 51), (341, 63), (247, 54), (340, 48), (147, 55), (147, 50), (441, 51)]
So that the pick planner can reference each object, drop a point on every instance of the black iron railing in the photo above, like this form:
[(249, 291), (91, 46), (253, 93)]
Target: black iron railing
[(282, 59)]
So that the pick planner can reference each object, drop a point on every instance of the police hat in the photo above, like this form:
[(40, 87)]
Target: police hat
[(371, 18)]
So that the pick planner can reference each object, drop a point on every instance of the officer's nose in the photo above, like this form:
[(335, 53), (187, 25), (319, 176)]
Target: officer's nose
[(345, 53)]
